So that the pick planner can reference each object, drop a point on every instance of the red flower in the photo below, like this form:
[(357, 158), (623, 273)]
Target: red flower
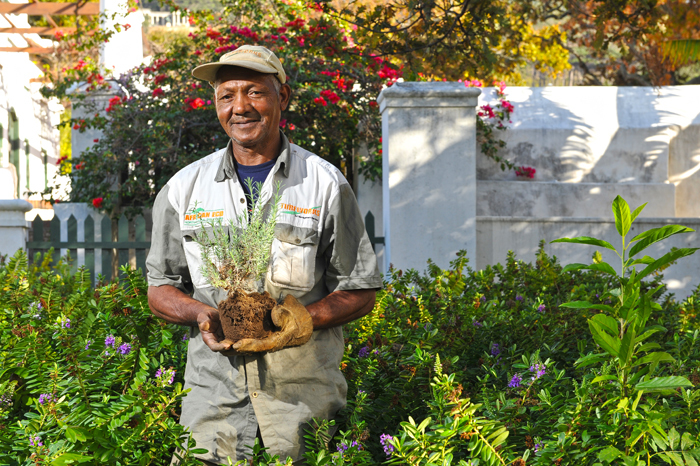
[(331, 96), (373, 104), (507, 106), (158, 91), (159, 79), (212, 34), (320, 101), (80, 166), (81, 64), (281, 29), (97, 202), (77, 126), (198, 52), (113, 102), (527, 172), (95, 140), (291, 127), (283, 122), (196, 103)]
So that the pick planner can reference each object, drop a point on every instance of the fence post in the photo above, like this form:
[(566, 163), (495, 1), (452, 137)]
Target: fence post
[(429, 172), (13, 226)]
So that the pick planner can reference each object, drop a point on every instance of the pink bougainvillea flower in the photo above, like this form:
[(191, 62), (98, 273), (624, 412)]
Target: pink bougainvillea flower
[(196, 103)]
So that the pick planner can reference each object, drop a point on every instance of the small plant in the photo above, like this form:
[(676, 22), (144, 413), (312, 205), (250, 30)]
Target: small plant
[(236, 258)]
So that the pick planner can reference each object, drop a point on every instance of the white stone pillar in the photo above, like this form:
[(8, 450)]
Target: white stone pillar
[(429, 172), (13, 226)]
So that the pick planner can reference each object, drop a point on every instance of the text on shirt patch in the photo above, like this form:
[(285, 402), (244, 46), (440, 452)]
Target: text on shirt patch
[(294, 210), (195, 215)]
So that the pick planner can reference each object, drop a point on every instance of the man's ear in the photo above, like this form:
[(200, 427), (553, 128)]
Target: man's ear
[(285, 96)]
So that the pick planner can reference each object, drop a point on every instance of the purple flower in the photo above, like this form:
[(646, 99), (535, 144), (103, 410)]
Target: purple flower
[(542, 308), (476, 323), (495, 349), (364, 352), (109, 341), (515, 381), (538, 446), (343, 447), (385, 440), (107, 353), (597, 296), (483, 299), (539, 370), (166, 375), (185, 337), (124, 349), (65, 323), (159, 372), (45, 398), (5, 400), (87, 344), (35, 442), (519, 298)]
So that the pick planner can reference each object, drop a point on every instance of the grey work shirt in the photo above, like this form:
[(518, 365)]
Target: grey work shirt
[(320, 246)]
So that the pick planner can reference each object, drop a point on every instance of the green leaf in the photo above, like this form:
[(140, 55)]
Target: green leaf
[(663, 383), (70, 458), (586, 305), (603, 267), (627, 346), (638, 211), (605, 340), (655, 235), (586, 240), (689, 460), (573, 267), (590, 359), (687, 441), (623, 218), (644, 260), (666, 259), (673, 438), (609, 454), (603, 378), (608, 323), (654, 357)]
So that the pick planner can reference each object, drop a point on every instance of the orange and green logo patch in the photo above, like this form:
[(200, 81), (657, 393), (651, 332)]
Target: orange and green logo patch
[(294, 210)]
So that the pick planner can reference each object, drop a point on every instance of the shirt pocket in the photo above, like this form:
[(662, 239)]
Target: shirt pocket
[(193, 254), (293, 258)]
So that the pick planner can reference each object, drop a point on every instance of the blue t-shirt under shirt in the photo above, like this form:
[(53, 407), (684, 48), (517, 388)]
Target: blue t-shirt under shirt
[(258, 173)]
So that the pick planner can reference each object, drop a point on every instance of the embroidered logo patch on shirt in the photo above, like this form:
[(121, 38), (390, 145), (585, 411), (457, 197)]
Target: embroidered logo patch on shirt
[(196, 215), (290, 209)]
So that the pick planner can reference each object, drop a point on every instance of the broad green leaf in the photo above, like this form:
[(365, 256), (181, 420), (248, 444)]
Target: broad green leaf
[(654, 357), (687, 441), (590, 359), (638, 211), (688, 457), (603, 267), (663, 383), (666, 259), (603, 378), (70, 458), (608, 343), (623, 218), (655, 235), (573, 267), (627, 346), (587, 305), (610, 324), (644, 260), (673, 438), (586, 240), (609, 454)]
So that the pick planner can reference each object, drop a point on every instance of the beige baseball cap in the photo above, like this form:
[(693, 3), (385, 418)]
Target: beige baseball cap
[(254, 57)]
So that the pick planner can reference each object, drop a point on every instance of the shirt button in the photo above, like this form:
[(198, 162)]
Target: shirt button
[(255, 394), (297, 241), (242, 200)]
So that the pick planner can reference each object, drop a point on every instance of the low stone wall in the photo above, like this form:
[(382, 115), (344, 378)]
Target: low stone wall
[(498, 235)]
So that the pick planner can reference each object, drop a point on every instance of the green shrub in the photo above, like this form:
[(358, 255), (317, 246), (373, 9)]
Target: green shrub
[(454, 366)]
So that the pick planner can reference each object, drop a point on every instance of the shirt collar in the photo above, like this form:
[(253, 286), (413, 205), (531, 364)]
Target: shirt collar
[(227, 169)]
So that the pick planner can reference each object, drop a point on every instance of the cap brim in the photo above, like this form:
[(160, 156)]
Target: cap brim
[(208, 71)]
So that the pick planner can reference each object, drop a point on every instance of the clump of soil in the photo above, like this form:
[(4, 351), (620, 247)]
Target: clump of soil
[(245, 315)]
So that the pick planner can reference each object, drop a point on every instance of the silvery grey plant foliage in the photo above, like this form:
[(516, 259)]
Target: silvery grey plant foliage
[(235, 257)]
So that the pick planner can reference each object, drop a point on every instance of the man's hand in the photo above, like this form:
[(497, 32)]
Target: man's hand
[(175, 306), (212, 333), (295, 325)]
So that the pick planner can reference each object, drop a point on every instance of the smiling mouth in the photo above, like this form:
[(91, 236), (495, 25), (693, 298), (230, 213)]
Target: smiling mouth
[(245, 123)]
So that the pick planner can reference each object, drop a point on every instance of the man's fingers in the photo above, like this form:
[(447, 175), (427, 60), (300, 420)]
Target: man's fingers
[(214, 343)]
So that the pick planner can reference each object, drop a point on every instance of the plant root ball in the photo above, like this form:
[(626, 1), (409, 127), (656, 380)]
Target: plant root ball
[(247, 315)]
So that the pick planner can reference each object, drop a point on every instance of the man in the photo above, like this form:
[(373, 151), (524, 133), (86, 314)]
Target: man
[(321, 256)]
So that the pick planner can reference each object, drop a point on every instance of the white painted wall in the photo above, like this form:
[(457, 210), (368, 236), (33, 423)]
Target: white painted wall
[(37, 117), (125, 48)]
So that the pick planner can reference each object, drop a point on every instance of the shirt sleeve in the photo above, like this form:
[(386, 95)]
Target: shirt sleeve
[(166, 262), (351, 262)]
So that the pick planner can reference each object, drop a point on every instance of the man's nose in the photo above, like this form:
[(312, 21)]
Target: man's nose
[(240, 103)]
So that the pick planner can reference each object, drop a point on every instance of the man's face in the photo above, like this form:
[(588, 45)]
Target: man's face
[(248, 106)]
